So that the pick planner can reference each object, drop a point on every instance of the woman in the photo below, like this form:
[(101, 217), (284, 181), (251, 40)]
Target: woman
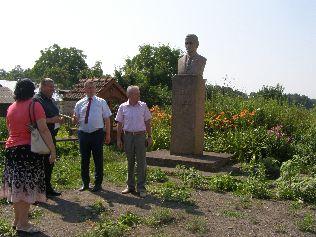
[(23, 178)]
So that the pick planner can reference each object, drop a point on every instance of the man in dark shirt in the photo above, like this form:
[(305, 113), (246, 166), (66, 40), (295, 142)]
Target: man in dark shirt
[(44, 96)]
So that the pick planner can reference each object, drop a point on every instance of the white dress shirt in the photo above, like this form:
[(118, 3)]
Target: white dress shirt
[(99, 110)]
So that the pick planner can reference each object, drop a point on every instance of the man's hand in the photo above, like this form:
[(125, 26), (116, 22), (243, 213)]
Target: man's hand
[(55, 119), (149, 141), (107, 139), (119, 143)]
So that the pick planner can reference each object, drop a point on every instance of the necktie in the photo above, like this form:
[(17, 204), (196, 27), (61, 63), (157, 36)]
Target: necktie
[(188, 66), (87, 112)]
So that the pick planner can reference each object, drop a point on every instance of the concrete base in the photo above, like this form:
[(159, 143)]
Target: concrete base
[(209, 161)]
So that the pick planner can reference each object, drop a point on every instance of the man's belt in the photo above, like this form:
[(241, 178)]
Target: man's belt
[(135, 133)]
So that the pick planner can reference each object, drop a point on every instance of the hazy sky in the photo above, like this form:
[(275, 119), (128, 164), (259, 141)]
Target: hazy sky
[(254, 42)]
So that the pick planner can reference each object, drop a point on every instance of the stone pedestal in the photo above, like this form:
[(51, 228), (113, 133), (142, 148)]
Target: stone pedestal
[(188, 109)]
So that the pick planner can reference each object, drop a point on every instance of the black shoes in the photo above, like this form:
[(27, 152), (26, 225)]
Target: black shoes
[(96, 188), (52, 193), (128, 190), (83, 188)]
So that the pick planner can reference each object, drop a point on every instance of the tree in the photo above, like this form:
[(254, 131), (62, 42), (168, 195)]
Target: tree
[(16, 73), (95, 71), (63, 65), (152, 70)]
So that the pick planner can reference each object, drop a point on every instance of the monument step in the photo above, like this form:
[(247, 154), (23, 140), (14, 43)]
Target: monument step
[(209, 161)]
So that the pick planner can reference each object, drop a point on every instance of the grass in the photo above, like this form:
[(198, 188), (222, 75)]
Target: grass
[(97, 207), (6, 229), (129, 219), (197, 225), (172, 192), (36, 213), (160, 217), (233, 214), (307, 224)]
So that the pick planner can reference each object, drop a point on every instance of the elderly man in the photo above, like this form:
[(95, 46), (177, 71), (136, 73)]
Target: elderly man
[(133, 119), (93, 114), (192, 63), (44, 96)]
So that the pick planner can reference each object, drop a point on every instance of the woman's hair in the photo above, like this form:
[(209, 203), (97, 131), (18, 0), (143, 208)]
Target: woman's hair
[(24, 89)]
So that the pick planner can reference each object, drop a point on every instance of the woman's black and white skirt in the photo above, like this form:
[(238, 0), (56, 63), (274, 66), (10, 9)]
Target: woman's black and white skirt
[(24, 176)]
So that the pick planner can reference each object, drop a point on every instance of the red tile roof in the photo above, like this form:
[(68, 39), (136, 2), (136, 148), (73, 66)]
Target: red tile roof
[(6, 95), (78, 93)]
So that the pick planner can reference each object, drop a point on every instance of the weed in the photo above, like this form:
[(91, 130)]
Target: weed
[(129, 219), (192, 178), (6, 229), (197, 225), (234, 214), (36, 213), (223, 183), (97, 207), (307, 224), (170, 191), (160, 217), (157, 175)]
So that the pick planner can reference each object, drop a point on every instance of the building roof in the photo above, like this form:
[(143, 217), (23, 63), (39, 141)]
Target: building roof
[(105, 88), (6, 95), (9, 84)]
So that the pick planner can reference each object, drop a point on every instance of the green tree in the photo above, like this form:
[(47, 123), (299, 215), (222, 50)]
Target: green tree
[(16, 73), (152, 70), (61, 64), (95, 71)]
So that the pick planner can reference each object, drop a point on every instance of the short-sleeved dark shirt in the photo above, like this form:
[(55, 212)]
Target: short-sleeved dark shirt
[(51, 110)]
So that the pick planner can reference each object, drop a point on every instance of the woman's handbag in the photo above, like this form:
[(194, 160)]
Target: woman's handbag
[(37, 143)]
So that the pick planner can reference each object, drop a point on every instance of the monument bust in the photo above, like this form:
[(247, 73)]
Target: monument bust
[(192, 63)]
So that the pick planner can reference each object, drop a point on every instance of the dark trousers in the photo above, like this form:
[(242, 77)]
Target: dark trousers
[(48, 168), (91, 142)]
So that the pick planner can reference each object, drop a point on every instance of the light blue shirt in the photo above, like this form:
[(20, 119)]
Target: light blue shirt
[(99, 110)]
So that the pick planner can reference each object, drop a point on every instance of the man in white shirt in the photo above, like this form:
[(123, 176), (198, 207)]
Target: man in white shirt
[(93, 114), (134, 121)]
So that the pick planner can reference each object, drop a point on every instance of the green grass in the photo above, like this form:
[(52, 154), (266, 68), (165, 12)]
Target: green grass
[(307, 224), (6, 229), (233, 214), (171, 191), (197, 225), (160, 217)]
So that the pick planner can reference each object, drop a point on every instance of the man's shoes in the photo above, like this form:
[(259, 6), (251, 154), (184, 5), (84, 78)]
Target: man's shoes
[(31, 229), (128, 190), (143, 194), (83, 188), (52, 193), (96, 188)]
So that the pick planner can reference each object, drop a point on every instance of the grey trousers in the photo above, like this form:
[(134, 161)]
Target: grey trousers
[(134, 146)]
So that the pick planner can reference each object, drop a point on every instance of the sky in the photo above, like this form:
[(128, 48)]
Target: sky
[(252, 43)]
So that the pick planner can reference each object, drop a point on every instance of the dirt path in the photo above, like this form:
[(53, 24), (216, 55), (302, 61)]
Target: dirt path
[(225, 214)]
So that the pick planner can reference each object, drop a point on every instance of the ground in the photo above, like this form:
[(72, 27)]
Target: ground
[(220, 214)]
